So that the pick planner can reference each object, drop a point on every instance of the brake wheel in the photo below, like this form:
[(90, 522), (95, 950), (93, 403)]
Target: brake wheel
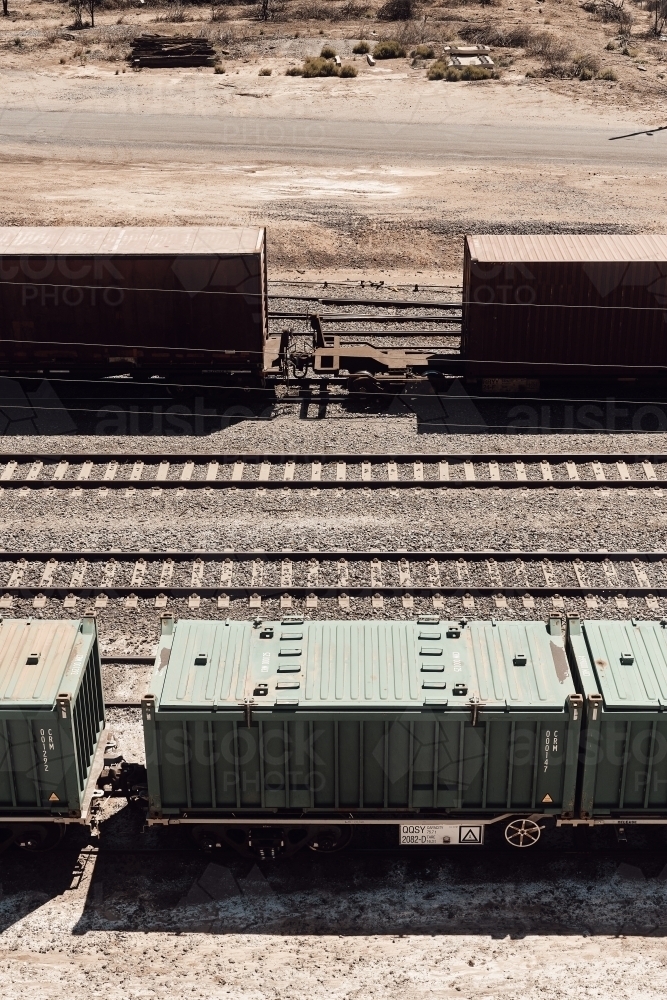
[(522, 833)]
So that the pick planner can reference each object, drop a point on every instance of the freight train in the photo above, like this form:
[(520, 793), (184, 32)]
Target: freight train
[(151, 301), (155, 302), (269, 736)]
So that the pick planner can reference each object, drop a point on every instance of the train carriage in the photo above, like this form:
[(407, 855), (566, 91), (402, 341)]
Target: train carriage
[(51, 727), (280, 731)]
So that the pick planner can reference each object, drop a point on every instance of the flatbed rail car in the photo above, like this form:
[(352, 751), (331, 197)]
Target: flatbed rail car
[(140, 300), (51, 727), (270, 735)]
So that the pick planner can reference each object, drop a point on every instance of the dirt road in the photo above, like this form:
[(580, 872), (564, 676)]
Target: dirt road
[(375, 176), (325, 140)]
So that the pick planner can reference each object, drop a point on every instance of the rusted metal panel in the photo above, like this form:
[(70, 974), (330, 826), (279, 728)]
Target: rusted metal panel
[(133, 296), (540, 306)]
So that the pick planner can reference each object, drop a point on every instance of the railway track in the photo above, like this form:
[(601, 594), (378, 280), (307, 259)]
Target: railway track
[(300, 579), (332, 471)]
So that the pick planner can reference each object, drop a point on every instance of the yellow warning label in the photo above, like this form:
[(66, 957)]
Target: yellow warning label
[(53, 797), (547, 798)]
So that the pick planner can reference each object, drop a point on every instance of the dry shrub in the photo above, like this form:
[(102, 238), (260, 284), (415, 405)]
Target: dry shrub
[(610, 10), (328, 52), (516, 37), (553, 50), (351, 10), (361, 48), (423, 52), (584, 66), (658, 52), (397, 10), (438, 71), (313, 12), (315, 66), (607, 74), (317, 11), (49, 38), (389, 48), (585, 63), (175, 14)]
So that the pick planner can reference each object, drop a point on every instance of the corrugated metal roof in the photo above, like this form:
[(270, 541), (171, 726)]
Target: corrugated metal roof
[(630, 662), (563, 248), (364, 664), (25, 683), (155, 240)]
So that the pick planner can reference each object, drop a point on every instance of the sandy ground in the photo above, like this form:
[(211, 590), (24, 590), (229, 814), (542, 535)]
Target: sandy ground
[(355, 213), (385, 924)]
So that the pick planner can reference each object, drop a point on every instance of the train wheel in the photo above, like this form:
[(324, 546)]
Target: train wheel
[(522, 833), (330, 839), (42, 837)]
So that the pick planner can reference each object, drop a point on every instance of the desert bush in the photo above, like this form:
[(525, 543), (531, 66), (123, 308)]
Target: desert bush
[(423, 52), (314, 66), (437, 71), (313, 10), (549, 47), (586, 65), (607, 74), (516, 37), (219, 70), (328, 52), (611, 46), (610, 10), (175, 13), (389, 49), (265, 71), (317, 66), (478, 73), (361, 48), (397, 10)]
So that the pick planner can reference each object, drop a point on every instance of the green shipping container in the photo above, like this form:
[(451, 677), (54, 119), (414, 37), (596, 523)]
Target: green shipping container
[(622, 666), (361, 718), (51, 718)]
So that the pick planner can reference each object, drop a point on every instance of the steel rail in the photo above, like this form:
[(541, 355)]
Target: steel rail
[(73, 471), (405, 334), (379, 303), (433, 574), (361, 318)]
